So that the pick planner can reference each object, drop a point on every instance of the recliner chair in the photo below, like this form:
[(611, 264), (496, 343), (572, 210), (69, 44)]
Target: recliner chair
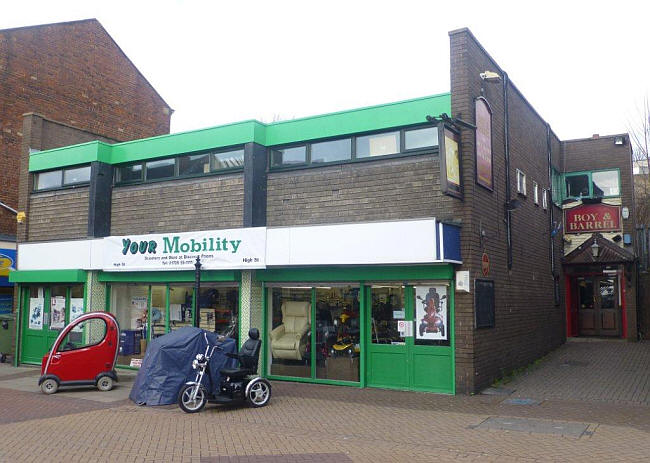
[(289, 340)]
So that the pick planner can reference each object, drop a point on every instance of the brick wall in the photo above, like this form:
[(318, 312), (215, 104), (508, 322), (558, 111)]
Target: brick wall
[(387, 189), (179, 205), (75, 73), (528, 324), (59, 215)]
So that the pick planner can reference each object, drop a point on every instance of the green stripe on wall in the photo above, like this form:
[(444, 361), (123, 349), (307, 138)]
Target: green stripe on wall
[(47, 276)]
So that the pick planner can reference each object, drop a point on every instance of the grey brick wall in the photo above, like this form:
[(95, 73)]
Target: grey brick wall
[(58, 215), (179, 205), (387, 189)]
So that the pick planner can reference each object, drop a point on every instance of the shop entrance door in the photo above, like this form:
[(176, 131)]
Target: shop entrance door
[(39, 314), (598, 310), (409, 342)]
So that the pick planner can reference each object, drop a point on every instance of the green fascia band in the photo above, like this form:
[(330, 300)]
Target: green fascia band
[(386, 116), (47, 276), (168, 277), (385, 273)]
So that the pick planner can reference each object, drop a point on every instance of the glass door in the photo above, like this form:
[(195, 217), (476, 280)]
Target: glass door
[(609, 314)]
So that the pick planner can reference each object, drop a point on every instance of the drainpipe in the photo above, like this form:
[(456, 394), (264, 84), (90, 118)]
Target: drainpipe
[(506, 148), (549, 200)]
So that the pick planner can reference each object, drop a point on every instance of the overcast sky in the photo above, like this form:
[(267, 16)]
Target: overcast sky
[(583, 65)]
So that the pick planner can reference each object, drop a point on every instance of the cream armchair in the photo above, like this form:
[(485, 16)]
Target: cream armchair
[(289, 340)]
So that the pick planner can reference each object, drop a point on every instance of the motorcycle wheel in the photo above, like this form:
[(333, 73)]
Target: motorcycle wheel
[(259, 393), (185, 401)]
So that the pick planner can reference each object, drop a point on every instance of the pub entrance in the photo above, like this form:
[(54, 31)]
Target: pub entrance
[(598, 308)]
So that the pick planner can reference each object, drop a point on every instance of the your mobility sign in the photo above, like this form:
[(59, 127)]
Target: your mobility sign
[(238, 248)]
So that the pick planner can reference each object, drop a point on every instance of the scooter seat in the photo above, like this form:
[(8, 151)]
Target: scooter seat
[(235, 372)]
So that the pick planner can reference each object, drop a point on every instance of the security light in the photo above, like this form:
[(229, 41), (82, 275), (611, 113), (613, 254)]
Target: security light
[(619, 140), (490, 76)]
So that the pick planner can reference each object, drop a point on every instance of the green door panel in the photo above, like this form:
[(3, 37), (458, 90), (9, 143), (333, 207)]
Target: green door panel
[(388, 368), (432, 372)]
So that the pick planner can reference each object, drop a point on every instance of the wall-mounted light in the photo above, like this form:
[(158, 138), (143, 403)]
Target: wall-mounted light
[(625, 212), (619, 140), (595, 249), (20, 217), (490, 76)]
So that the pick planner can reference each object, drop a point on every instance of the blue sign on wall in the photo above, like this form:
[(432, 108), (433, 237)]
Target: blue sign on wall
[(6, 303), (7, 263)]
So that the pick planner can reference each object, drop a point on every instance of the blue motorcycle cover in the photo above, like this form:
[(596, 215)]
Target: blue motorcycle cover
[(167, 365)]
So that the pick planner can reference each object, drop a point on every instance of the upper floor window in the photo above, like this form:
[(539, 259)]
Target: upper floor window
[(181, 166), (536, 193), (356, 147), (61, 178), (592, 184), (521, 182)]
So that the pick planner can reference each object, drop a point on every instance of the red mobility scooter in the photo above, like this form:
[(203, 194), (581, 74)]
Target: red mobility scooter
[(84, 353)]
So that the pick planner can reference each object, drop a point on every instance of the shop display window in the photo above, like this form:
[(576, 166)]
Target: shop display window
[(386, 311), (319, 324), (337, 333), (290, 334), (148, 311)]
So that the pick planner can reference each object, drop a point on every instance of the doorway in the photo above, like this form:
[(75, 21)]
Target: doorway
[(599, 311), (411, 335)]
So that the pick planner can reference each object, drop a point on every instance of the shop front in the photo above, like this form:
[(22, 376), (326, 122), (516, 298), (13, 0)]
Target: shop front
[(388, 327), (363, 304)]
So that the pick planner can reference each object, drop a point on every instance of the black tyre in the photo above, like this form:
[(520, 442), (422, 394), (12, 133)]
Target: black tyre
[(49, 386), (105, 383), (259, 392), (192, 398)]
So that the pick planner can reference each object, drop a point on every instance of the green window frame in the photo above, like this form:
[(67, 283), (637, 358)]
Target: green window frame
[(62, 183), (589, 174)]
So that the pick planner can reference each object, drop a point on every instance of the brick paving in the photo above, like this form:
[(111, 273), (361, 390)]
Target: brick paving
[(306, 422)]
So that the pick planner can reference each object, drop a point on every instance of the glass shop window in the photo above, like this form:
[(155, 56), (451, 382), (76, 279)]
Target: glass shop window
[(380, 144), (330, 151), (219, 310), (45, 180), (577, 185), (132, 173), (337, 333), (130, 304), (289, 317), (228, 160), (605, 183), (194, 164), (76, 175), (386, 310), (289, 156), (163, 168), (421, 138)]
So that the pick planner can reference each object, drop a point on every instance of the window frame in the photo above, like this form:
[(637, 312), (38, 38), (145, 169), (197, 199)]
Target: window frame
[(308, 164), (177, 176), (62, 185), (589, 174), (521, 187), (535, 193), (544, 199)]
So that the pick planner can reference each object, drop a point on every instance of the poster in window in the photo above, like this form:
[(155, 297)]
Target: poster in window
[(57, 309), (483, 115), (431, 313), (36, 313), (76, 310), (450, 174)]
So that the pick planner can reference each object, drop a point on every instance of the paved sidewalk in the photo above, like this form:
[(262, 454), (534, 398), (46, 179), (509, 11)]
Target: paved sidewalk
[(317, 423)]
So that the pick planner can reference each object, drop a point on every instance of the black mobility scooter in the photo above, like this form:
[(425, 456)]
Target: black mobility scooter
[(237, 384)]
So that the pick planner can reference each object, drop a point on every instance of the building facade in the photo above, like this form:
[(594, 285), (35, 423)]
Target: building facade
[(413, 245), (62, 84)]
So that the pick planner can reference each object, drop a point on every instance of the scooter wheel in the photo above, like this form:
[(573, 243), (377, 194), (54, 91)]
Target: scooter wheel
[(105, 383), (259, 392), (189, 404), (49, 386)]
